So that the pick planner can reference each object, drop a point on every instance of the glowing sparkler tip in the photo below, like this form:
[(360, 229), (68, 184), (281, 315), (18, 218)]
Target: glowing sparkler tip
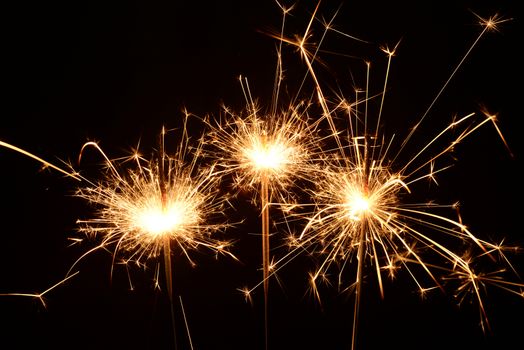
[(159, 221), (388, 51), (267, 156), (492, 22), (357, 204)]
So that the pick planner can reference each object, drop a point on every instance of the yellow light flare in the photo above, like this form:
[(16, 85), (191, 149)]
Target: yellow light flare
[(357, 205), (269, 156), (279, 148), (158, 221)]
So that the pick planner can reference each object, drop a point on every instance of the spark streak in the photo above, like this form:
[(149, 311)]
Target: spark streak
[(40, 296)]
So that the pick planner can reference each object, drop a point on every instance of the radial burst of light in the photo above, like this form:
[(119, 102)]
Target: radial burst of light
[(268, 152), (147, 209), (256, 147), (143, 206)]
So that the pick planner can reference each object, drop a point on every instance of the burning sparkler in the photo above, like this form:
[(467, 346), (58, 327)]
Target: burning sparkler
[(366, 212), (142, 211), (361, 209), (144, 206), (268, 153)]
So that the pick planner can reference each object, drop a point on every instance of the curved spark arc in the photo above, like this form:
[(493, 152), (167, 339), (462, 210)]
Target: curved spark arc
[(45, 163), (71, 173)]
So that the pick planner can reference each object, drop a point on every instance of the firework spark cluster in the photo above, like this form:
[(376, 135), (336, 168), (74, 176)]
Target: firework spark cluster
[(151, 202), (154, 207), (351, 196)]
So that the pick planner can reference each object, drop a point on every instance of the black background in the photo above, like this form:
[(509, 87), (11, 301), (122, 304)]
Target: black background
[(116, 72)]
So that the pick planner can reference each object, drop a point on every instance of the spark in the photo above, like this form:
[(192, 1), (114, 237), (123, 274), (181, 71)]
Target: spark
[(44, 162), (185, 323), (40, 296)]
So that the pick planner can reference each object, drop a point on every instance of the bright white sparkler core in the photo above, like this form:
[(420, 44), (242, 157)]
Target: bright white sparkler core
[(358, 204), (266, 156), (158, 221)]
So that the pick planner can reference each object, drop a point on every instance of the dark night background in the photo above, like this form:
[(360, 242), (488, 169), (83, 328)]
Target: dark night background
[(117, 71)]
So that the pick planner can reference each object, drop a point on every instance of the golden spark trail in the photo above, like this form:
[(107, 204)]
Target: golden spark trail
[(489, 24), (44, 162), (185, 323), (72, 174), (40, 296)]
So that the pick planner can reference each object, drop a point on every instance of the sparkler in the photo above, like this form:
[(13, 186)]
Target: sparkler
[(361, 213), (266, 152), (155, 203), (143, 206)]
